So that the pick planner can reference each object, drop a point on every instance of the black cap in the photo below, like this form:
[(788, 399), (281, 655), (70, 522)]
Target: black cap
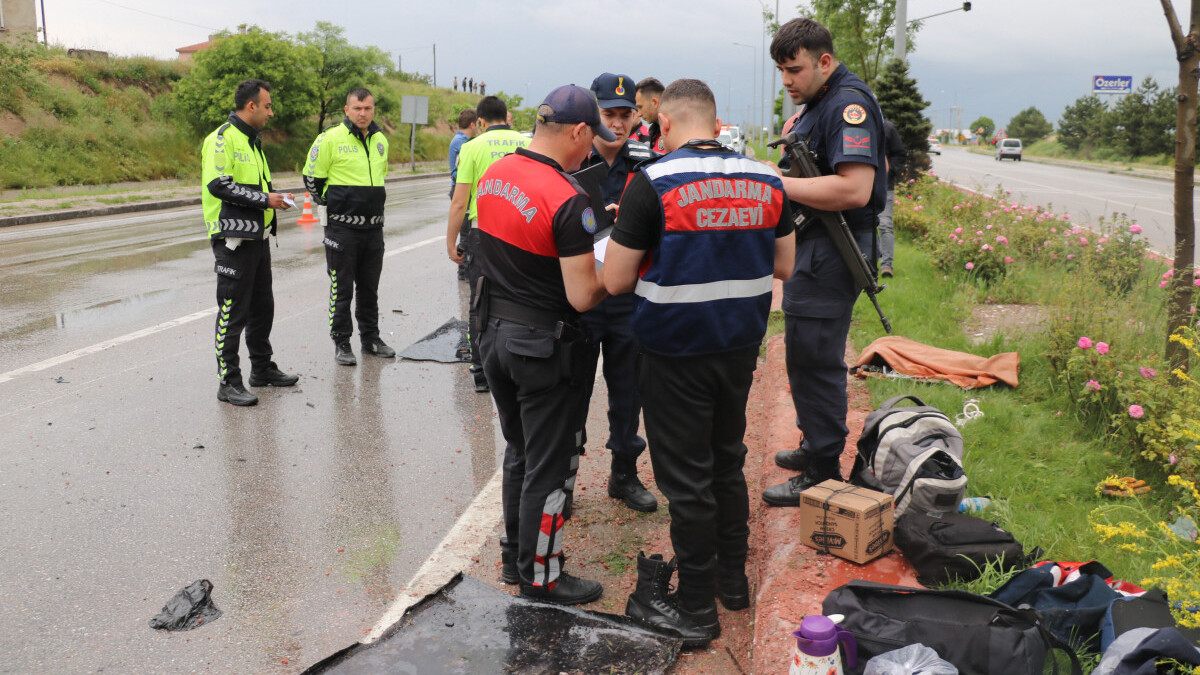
[(615, 91), (570, 104)]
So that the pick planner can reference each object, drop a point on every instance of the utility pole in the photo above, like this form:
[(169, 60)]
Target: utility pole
[(901, 44), (45, 40), (762, 86), (399, 65), (435, 64), (771, 115)]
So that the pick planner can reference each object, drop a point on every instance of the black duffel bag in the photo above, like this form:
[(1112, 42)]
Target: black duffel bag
[(955, 545), (978, 635)]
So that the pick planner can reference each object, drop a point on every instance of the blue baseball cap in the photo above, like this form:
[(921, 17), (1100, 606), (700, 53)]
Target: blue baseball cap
[(571, 104), (615, 90)]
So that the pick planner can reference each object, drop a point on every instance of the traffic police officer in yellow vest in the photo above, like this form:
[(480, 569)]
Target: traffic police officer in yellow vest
[(239, 212), (345, 171)]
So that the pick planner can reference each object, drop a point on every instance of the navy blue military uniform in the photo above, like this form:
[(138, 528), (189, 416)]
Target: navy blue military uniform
[(709, 219), (843, 124), (609, 324)]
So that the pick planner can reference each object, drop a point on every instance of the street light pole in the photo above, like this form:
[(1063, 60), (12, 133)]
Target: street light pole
[(901, 44), (762, 83), (771, 115), (753, 73)]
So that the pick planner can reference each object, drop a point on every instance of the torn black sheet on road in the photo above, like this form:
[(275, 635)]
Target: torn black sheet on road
[(470, 627), (191, 607), (447, 344)]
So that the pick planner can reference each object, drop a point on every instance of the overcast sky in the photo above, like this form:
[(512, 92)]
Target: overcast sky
[(999, 58)]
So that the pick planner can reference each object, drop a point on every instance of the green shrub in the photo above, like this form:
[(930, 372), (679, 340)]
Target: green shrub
[(15, 75)]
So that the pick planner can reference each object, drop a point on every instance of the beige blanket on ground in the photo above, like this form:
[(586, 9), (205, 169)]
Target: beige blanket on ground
[(919, 360)]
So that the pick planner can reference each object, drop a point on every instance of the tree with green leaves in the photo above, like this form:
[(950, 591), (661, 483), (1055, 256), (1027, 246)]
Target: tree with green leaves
[(1083, 122), (205, 95), (340, 67), (983, 127), (1029, 125), (902, 104), (1143, 123), (1187, 53), (862, 31)]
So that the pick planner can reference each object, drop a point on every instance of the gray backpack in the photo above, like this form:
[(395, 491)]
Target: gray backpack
[(913, 453)]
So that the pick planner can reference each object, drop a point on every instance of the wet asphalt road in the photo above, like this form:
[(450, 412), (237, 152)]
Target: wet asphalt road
[(122, 479), (1085, 194)]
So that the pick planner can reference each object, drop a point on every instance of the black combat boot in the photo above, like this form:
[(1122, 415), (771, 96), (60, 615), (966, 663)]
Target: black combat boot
[(733, 588), (816, 471), (568, 590), (232, 391), (652, 603), (343, 354), (378, 348), (623, 484), (793, 460), (271, 376), (508, 563)]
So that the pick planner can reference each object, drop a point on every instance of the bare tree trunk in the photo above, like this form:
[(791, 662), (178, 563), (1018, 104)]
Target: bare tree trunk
[(1187, 50)]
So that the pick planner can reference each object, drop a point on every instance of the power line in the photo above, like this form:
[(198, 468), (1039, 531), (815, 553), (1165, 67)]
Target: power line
[(160, 16)]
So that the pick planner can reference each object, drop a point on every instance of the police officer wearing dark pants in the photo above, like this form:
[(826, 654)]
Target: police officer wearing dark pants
[(844, 127), (610, 321), (535, 226), (345, 172), (715, 230), (239, 214)]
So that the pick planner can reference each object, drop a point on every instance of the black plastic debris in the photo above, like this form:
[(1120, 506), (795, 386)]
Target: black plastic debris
[(447, 344), (60, 380), (470, 627), (191, 607)]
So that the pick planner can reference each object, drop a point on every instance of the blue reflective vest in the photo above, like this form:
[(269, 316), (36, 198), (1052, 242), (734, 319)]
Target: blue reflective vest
[(707, 288)]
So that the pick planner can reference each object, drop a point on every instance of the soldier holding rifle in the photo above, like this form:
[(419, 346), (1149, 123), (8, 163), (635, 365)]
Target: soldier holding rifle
[(842, 124)]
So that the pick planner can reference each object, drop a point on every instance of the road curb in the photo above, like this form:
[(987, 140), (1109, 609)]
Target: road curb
[(1086, 166), (159, 205)]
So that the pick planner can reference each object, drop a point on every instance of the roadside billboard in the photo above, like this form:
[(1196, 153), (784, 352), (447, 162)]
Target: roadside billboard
[(1112, 84)]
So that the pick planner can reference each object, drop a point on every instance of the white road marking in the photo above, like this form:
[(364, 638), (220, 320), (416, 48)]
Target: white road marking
[(145, 332), (451, 556)]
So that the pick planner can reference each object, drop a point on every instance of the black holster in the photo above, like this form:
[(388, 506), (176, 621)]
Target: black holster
[(483, 304)]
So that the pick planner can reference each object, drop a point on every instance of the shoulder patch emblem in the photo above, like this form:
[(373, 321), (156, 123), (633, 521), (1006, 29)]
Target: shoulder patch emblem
[(856, 142), (854, 114), (379, 147), (312, 156), (589, 220)]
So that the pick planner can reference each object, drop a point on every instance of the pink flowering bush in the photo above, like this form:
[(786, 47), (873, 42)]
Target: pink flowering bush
[(1120, 261), (1155, 411), (1097, 287)]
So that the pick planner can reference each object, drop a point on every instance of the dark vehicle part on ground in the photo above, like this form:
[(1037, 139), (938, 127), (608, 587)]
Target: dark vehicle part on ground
[(469, 627), (189, 608)]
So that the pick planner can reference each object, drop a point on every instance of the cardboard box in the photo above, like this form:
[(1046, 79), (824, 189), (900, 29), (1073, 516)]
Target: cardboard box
[(850, 522)]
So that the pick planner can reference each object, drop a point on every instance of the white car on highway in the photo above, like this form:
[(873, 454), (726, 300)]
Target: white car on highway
[(732, 137)]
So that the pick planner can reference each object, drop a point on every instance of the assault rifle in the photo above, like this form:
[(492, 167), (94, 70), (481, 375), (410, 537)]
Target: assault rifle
[(802, 164)]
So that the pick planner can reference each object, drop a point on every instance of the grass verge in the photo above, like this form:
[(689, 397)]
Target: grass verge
[(1037, 460)]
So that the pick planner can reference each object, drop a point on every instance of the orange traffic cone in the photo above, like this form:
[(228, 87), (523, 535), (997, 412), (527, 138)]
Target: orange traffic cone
[(307, 217)]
